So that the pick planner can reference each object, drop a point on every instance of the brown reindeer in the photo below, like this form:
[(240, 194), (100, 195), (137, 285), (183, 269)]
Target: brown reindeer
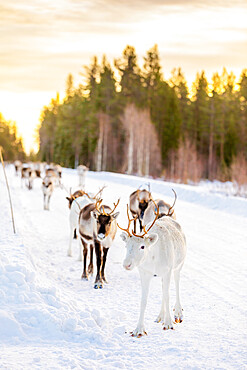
[(138, 203), (28, 175), (97, 227)]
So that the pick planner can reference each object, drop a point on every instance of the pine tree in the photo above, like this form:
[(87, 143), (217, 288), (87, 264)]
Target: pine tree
[(130, 84)]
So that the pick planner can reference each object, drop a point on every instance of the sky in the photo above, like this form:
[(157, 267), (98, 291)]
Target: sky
[(42, 41)]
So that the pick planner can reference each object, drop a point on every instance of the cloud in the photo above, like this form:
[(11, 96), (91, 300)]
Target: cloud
[(42, 41)]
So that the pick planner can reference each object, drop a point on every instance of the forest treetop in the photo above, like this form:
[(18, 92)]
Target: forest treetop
[(93, 125)]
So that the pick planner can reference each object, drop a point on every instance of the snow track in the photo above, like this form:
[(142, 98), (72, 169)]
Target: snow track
[(51, 319)]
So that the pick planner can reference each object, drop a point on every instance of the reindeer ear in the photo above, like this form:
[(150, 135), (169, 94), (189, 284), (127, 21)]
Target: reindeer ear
[(151, 239), (115, 215), (124, 236)]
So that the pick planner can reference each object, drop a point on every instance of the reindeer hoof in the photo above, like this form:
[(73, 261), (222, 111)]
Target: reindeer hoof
[(138, 335), (178, 319), (98, 285), (84, 277), (167, 327), (158, 320)]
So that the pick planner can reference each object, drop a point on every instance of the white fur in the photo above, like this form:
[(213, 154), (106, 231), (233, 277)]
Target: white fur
[(164, 251), (82, 172), (76, 206), (47, 188), (149, 213)]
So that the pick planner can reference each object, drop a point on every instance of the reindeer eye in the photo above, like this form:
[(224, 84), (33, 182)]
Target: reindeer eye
[(143, 246)]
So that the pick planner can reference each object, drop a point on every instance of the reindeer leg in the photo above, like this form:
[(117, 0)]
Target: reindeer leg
[(135, 226), (105, 251), (98, 284), (140, 222), (80, 247), (90, 266), (168, 324), (69, 252), (48, 203), (145, 282), (84, 274), (75, 236), (178, 311)]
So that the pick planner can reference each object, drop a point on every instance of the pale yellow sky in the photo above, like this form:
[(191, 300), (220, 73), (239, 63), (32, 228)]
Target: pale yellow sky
[(42, 41)]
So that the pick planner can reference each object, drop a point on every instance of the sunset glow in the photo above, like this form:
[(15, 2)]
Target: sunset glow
[(42, 42)]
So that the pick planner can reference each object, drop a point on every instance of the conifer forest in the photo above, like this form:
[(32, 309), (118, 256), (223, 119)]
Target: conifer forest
[(128, 118)]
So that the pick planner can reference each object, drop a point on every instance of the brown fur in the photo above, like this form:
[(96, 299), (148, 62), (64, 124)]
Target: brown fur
[(161, 203), (86, 214), (87, 237), (76, 194)]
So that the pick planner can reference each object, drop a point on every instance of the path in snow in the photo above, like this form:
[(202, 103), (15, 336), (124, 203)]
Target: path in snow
[(53, 319)]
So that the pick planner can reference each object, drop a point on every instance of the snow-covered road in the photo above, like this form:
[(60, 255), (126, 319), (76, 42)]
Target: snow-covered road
[(51, 319)]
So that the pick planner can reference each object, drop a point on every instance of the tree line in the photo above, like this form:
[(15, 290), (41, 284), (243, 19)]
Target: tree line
[(11, 144), (127, 118)]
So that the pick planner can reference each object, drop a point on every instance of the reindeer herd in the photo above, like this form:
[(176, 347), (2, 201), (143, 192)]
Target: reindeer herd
[(157, 249)]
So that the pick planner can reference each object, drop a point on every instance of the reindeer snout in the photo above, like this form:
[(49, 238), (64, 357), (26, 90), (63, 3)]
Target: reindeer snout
[(127, 265), (101, 236)]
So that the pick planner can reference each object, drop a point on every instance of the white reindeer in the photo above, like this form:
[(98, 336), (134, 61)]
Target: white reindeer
[(75, 207), (47, 188), (82, 172), (157, 254), (18, 167)]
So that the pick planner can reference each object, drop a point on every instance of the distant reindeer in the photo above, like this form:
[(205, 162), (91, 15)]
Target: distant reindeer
[(82, 172), (37, 168), (18, 167), (97, 227), (159, 251), (138, 203), (47, 188), (28, 175), (54, 171)]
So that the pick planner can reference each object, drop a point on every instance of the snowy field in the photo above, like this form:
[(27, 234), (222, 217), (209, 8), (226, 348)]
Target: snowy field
[(51, 319)]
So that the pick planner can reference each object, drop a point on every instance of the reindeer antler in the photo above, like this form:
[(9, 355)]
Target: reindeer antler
[(99, 192), (173, 203), (103, 209), (97, 204), (169, 210), (115, 206), (156, 218), (130, 220)]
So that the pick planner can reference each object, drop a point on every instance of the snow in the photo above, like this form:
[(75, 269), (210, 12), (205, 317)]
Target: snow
[(50, 318)]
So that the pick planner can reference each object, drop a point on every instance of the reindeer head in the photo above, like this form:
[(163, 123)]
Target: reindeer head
[(137, 249), (47, 182), (104, 217), (143, 197), (72, 197), (137, 245)]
